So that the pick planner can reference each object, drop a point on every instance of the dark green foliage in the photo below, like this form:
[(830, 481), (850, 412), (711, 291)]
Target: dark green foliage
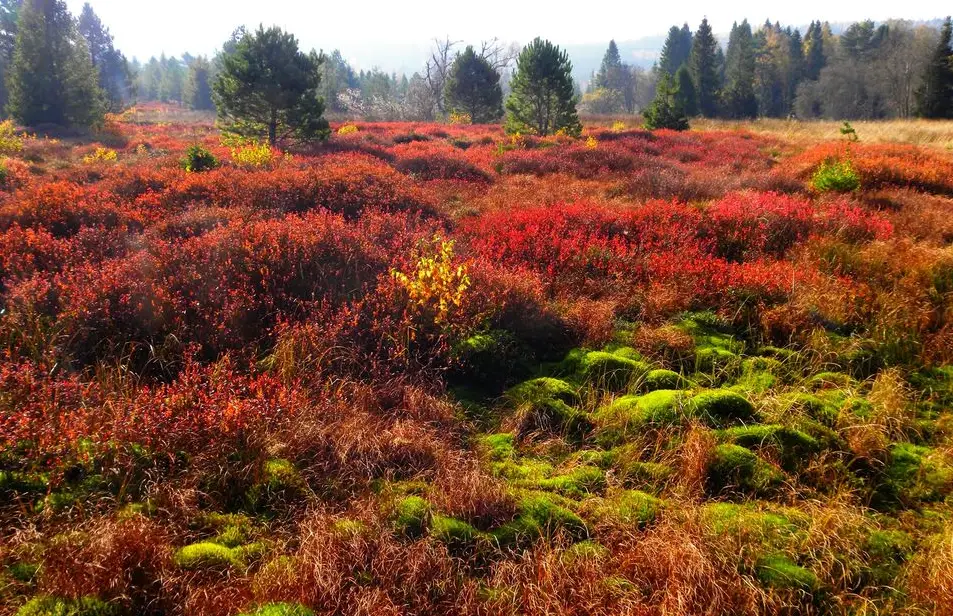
[(52, 80), (935, 96), (198, 159), (685, 95), (704, 66), (676, 50), (815, 57), (267, 87), (543, 99), (738, 96), (473, 87), (666, 111), (115, 78), (198, 90), (615, 77), (9, 14)]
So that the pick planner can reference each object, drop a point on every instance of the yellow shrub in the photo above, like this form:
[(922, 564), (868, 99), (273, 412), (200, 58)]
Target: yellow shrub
[(460, 117), (101, 155), (253, 155), (437, 285), (618, 126), (591, 143), (348, 129), (10, 141)]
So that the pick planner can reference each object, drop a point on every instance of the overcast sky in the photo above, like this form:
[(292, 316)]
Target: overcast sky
[(366, 27)]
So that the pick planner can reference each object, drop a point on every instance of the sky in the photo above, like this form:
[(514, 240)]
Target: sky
[(384, 32)]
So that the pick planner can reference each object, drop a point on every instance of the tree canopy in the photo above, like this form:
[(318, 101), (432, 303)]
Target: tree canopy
[(473, 87), (543, 98)]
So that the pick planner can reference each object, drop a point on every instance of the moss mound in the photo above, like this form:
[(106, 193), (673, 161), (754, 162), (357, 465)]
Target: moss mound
[(280, 609), (211, 555), (719, 407), (663, 379), (610, 371), (540, 515), (778, 571), (456, 534), (793, 445), (577, 483), (56, 606), (543, 389), (412, 516), (733, 468), (627, 507), (915, 474), (629, 416)]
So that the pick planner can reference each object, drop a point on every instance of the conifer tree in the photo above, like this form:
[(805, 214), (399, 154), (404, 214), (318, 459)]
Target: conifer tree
[(738, 97), (935, 96), (9, 14), (543, 98), (666, 110), (268, 87), (115, 78), (473, 87), (676, 50), (686, 91), (197, 93), (52, 79), (704, 66), (815, 57)]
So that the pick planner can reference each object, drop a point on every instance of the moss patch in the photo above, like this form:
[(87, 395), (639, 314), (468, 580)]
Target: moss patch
[(279, 609), (540, 515), (720, 407), (610, 371), (793, 445), (412, 516), (577, 483), (629, 416), (57, 606), (736, 469), (778, 571), (663, 379)]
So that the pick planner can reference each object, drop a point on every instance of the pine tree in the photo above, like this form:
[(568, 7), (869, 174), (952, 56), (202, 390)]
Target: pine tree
[(676, 50), (172, 80), (615, 77), (738, 97), (609, 72), (543, 98), (268, 87), (473, 87), (115, 78), (197, 93), (9, 14), (666, 110), (686, 91), (704, 66), (935, 96), (52, 80)]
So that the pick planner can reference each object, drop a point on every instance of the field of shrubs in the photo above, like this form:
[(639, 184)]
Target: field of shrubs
[(437, 369)]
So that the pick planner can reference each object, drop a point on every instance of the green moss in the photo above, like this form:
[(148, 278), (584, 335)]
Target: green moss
[(539, 515), (760, 530), (585, 551), (778, 571), (279, 609), (455, 533), (720, 407), (664, 379), (716, 362), (735, 469), (346, 527), (543, 389), (915, 474), (25, 573), (524, 469), (491, 359), (794, 445), (553, 417), (887, 551), (611, 372), (830, 380), (759, 374), (499, 447), (57, 606), (629, 507), (819, 409), (629, 416), (209, 555), (412, 516), (645, 475), (577, 483)]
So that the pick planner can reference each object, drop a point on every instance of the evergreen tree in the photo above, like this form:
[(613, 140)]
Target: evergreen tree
[(704, 66), (666, 110), (676, 50), (795, 72), (815, 58), (197, 93), (543, 97), (686, 91), (610, 72), (615, 77), (115, 78), (172, 79), (52, 80), (9, 11), (738, 97), (935, 96), (150, 78), (267, 86), (473, 87)]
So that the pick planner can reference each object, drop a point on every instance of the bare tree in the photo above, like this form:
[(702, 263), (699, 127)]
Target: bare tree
[(499, 55), (436, 69)]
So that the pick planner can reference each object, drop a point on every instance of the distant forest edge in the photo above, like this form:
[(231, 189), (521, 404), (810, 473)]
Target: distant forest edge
[(865, 70)]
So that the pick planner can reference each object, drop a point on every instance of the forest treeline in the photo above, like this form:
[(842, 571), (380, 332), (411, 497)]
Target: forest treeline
[(896, 69)]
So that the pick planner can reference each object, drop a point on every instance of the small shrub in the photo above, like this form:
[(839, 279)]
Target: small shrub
[(460, 117), (198, 159), (348, 129), (101, 155), (10, 141), (836, 176), (253, 155)]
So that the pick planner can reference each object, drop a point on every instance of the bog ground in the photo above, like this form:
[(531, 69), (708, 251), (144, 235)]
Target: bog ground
[(437, 369)]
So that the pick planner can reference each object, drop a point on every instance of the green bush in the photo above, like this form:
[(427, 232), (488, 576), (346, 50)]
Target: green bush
[(198, 159), (836, 176)]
